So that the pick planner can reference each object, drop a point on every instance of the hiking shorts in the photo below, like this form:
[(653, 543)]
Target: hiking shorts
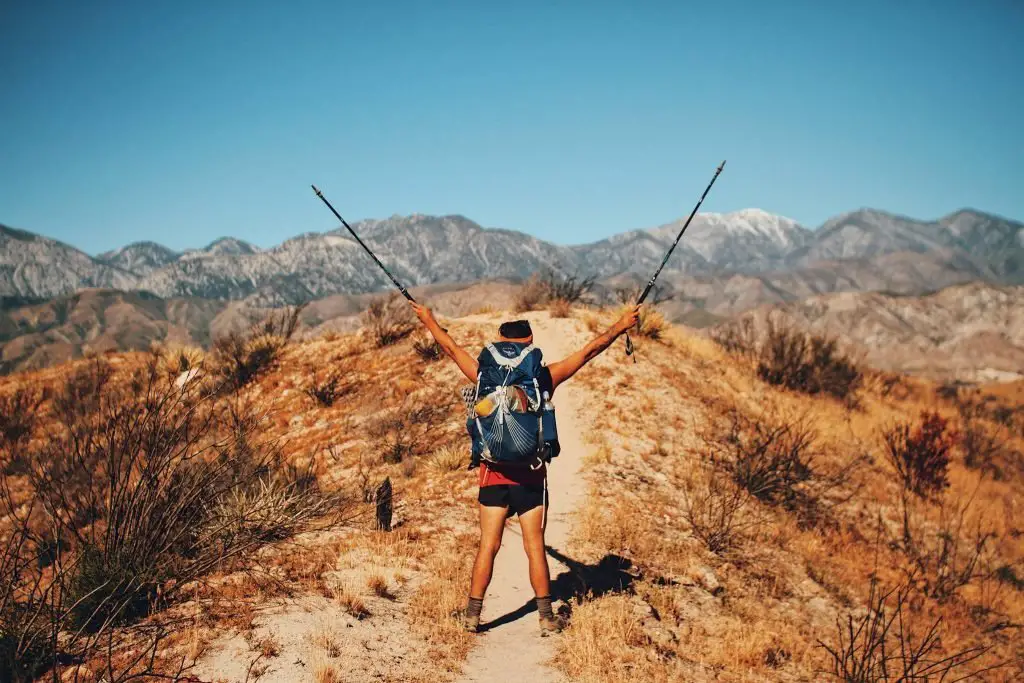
[(518, 498)]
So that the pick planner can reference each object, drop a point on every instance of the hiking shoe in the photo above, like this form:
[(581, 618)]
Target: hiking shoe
[(471, 624), (553, 625)]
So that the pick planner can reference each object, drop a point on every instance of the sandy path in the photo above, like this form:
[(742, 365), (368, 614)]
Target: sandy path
[(512, 649)]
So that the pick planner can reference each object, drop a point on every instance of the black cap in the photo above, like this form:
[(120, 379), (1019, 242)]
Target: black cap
[(516, 329)]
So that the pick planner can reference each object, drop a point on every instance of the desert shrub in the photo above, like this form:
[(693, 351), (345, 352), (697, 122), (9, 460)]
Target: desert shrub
[(652, 323), (325, 392), (560, 308), (788, 357), (984, 445), (947, 553), (239, 357), (807, 363), (427, 348), (738, 337), (26, 629), (882, 645), (18, 418), (388, 320), (568, 288), (920, 453), (137, 484), (147, 487), (769, 455), (716, 509), (549, 287), (176, 359), (627, 296), (449, 459), (530, 296)]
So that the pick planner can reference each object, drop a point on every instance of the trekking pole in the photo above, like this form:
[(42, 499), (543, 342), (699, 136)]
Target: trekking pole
[(647, 290), (372, 255)]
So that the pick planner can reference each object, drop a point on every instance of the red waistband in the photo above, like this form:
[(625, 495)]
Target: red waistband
[(494, 474)]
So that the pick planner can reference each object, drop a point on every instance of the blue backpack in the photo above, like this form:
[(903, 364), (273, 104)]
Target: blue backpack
[(511, 431)]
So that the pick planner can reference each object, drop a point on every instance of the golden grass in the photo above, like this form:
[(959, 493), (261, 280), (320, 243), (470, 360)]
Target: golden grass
[(378, 585), (560, 308), (326, 672), (444, 590), (449, 459), (781, 588)]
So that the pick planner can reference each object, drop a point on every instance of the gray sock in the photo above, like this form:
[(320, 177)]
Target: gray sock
[(544, 607), (474, 607)]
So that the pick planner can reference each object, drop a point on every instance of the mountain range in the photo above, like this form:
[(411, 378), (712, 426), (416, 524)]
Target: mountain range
[(861, 250), (56, 301)]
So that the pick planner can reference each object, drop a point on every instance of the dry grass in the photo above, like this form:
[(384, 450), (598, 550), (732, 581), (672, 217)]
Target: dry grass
[(449, 459), (326, 672), (757, 607), (430, 609), (378, 585), (560, 308), (351, 601)]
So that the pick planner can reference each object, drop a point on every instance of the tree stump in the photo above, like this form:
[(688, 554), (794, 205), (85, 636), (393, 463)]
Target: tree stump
[(383, 498)]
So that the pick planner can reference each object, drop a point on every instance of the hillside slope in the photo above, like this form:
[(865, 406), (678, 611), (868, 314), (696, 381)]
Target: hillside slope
[(651, 597), (972, 332)]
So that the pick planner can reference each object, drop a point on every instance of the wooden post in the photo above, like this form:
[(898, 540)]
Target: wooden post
[(383, 498)]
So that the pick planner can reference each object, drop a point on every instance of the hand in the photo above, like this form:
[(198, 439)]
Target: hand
[(628, 319), (422, 312)]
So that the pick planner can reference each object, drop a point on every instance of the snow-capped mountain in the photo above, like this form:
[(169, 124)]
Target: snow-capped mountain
[(750, 240)]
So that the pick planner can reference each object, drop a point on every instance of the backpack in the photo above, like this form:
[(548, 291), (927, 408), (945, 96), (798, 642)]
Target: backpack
[(511, 430)]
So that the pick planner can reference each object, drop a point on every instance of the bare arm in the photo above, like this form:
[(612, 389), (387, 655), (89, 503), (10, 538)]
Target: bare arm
[(466, 362), (566, 368)]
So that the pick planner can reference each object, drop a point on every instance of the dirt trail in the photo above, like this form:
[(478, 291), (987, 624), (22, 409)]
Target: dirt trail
[(511, 648)]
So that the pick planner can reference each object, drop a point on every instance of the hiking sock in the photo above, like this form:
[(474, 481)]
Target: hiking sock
[(474, 607), (544, 608)]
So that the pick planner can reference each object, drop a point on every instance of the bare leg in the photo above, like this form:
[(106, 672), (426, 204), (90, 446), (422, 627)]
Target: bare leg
[(492, 524), (531, 523)]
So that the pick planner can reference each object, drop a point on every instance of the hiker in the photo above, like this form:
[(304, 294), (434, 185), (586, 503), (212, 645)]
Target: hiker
[(510, 420)]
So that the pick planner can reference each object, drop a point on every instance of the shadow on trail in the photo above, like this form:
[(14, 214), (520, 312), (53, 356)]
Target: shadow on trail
[(612, 574)]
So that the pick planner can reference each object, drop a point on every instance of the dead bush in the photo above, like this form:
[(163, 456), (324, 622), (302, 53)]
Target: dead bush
[(530, 296), (984, 445), (571, 289), (146, 488), (549, 287), (717, 509), (627, 296), (325, 392), (18, 419), (240, 356), (427, 348), (948, 552), (560, 308), (883, 645), (769, 455), (808, 363), (652, 323), (920, 453), (388, 320)]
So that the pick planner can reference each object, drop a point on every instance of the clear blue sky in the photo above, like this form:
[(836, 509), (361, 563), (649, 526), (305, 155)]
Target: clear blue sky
[(184, 121)]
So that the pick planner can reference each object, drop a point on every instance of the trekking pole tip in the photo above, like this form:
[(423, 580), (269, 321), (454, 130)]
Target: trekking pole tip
[(316, 190)]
